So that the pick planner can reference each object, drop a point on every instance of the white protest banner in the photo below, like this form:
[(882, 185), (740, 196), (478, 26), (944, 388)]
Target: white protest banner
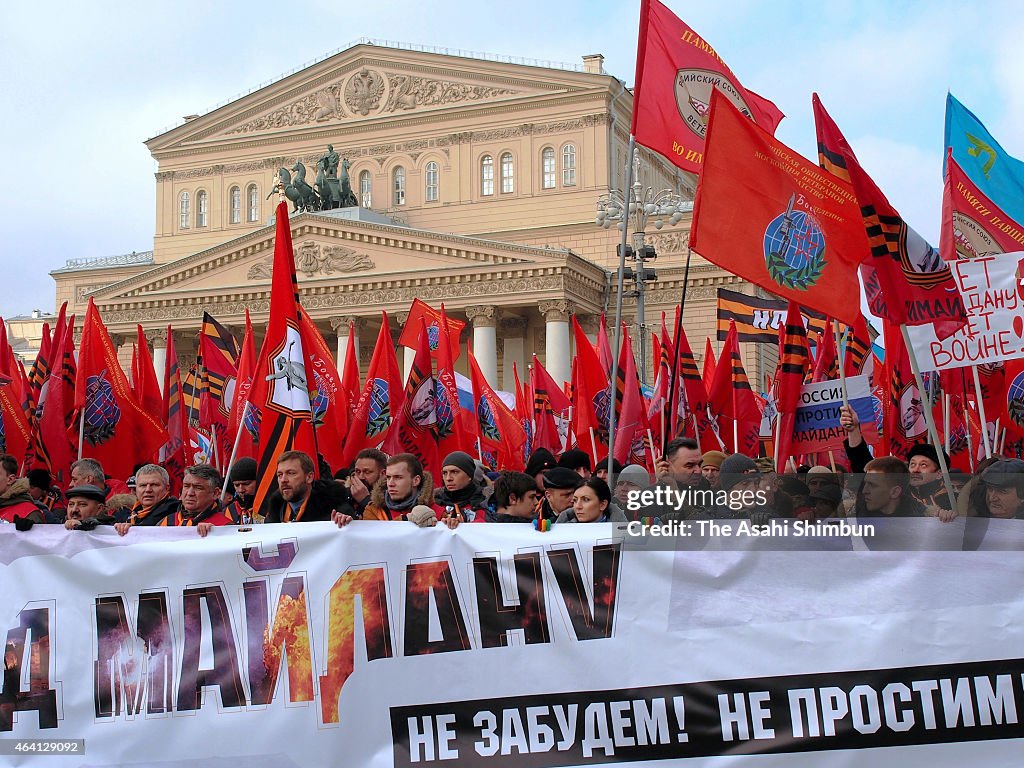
[(993, 296), (817, 417), (496, 645)]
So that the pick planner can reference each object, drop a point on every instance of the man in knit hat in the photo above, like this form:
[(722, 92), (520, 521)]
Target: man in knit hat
[(462, 499), (631, 479), (741, 480), (540, 461), (710, 466), (243, 482)]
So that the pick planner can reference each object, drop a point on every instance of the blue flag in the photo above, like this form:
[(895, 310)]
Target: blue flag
[(997, 174)]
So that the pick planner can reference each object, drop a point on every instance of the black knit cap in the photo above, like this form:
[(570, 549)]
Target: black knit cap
[(540, 460), (243, 470)]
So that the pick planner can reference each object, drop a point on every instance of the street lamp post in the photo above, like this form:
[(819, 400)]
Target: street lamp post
[(640, 205)]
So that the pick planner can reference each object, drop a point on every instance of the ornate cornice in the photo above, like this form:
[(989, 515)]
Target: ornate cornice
[(482, 315), (556, 310), (371, 150)]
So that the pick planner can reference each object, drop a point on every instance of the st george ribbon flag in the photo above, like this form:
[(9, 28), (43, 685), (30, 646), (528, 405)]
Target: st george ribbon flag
[(676, 72), (774, 218)]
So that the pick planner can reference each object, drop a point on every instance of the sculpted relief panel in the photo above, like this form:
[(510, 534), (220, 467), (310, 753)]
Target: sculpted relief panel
[(367, 92), (315, 259)]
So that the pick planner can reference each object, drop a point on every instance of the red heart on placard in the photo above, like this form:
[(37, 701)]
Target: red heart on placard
[(1018, 326)]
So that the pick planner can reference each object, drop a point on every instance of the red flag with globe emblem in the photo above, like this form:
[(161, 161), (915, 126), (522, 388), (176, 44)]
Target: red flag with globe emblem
[(116, 430), (380, 399), (414, 429), (765, 213), (676, 73), (280, 388), (434, 320), (501, 435)]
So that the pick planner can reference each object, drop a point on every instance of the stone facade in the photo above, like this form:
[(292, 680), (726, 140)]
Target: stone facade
[(479, 181)]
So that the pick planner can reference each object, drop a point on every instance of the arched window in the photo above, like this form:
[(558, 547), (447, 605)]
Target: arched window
[(252, 195), (398, 177), (508, 173), (202, 208), (365, 190), (486, 175), (235, 203), (547, 162), (431, 190), (184, 215), (569, 165)]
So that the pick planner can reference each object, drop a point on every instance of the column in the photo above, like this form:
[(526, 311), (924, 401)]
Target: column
[(513, 334), (485, 341), (340, 325), (590, 324), (158, 338), (408, 353), (556, 344)]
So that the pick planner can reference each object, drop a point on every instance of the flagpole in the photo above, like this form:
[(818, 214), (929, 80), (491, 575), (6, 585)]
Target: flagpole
[(945, 419), (929, 417), (673, 378), (593, 447), (234, 450), (981, 412), (81, 432), (967, 432), (842, 362), (624, 241)]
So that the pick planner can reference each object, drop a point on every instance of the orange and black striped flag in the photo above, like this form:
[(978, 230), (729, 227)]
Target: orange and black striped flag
[(690, 416), (858, 345), (218, 356), (732, 398), (905, 279), (759, 319), (794, 363), (172, 453)]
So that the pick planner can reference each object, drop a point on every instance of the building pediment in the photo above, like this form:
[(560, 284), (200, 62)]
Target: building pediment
[(327, 251), (367, 83)]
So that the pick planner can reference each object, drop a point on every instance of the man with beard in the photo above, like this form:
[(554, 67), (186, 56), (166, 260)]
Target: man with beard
[(369, 468), (243, 481), (153, 490), (300, 497), (405, 486), (199, 505)]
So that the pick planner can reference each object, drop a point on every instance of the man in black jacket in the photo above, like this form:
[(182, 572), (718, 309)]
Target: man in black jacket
[(302, 498)]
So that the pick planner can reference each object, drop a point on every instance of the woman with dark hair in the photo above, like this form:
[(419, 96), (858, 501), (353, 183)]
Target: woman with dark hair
[(591, 503)]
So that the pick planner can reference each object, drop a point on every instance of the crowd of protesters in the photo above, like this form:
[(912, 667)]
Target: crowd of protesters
[(551, 491)]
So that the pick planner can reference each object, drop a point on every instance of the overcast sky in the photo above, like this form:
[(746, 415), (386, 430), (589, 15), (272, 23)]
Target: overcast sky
[(85, 83)]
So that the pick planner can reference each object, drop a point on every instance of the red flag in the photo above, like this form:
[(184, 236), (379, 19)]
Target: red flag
[(350, 374), (691, 413), (242, 414), (380, 399), (765, 213), (413, 428), (280, 392), (524, 410), (175, 416), (454, 429), (500, 433), (53, 448), (794, 361), (632, 430), (549, 401), (330, 414), (147, 389), (39, 371), (676, 73), (591, 396), (604, 349), (826, 363), (708, 374), (118, 432), (657, 411), (903, 420), (972, 225), (731, 397), (435, 321), (907, 282), (15, 433)]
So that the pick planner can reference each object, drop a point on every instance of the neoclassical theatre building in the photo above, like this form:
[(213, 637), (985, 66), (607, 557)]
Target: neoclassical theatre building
[(477, 182)]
